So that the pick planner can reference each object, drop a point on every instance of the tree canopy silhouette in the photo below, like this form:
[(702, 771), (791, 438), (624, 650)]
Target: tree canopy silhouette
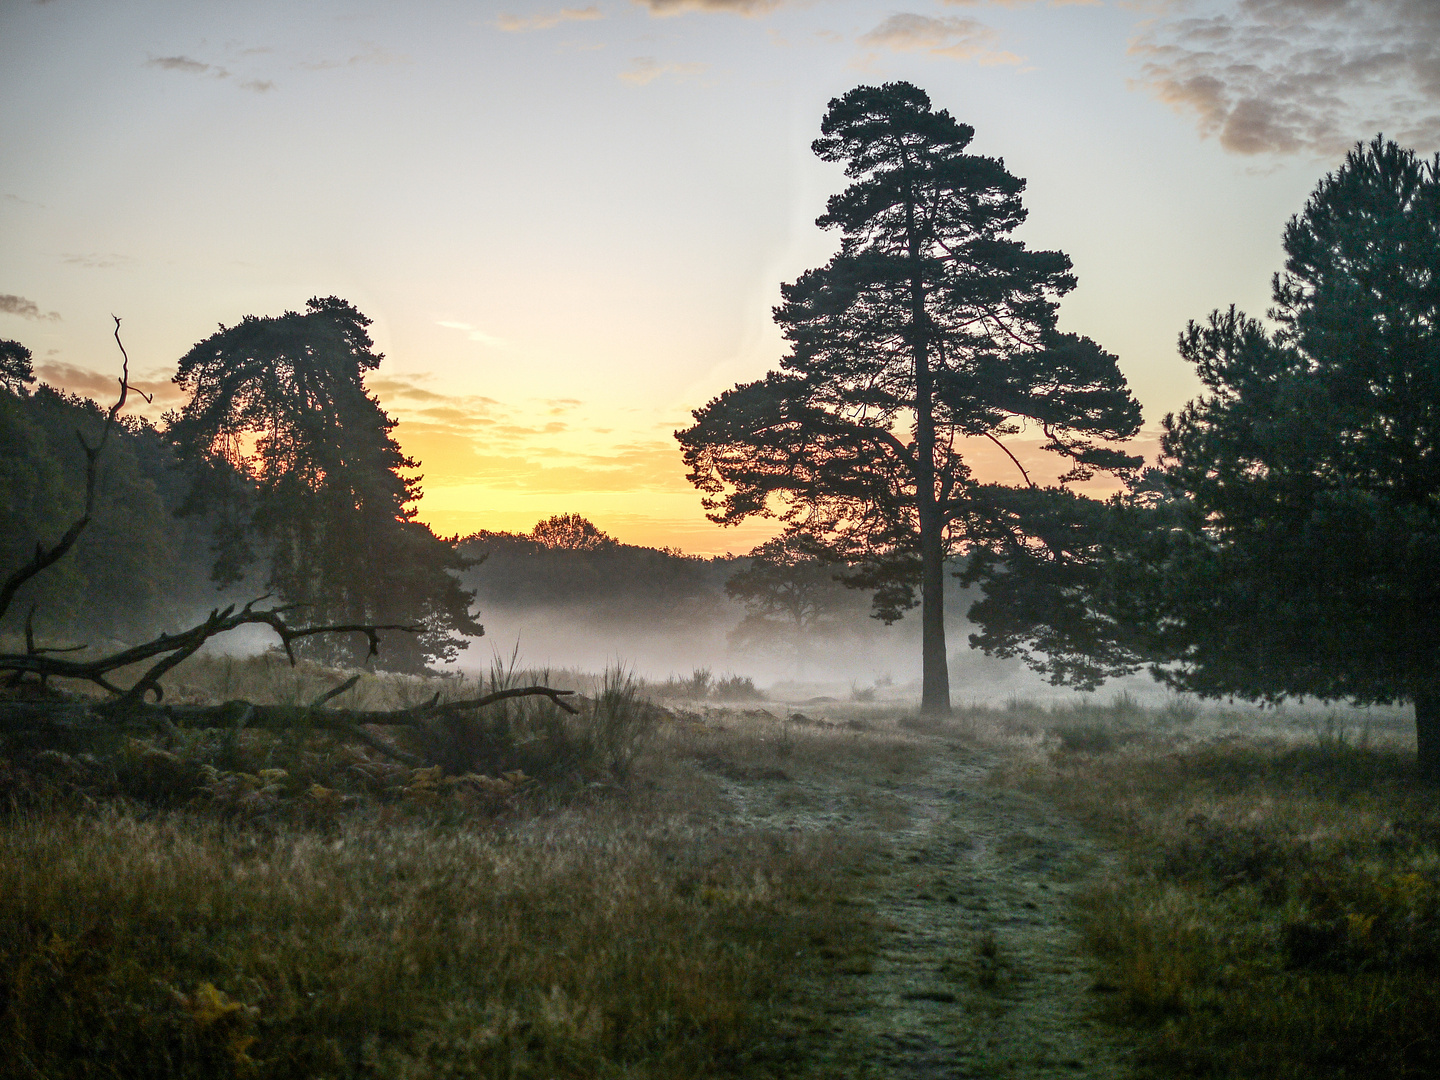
[(932, 325), (1291, 543), (295, 457), (571, 532)]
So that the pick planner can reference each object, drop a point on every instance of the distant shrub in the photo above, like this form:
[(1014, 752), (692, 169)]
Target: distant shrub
[(735, 688)]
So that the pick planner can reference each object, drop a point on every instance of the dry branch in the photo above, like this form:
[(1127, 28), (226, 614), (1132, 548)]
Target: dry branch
[(173, 648), (92, 718)]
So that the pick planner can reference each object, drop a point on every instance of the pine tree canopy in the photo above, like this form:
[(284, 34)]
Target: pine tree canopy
[(1290, 544), (930, 326), (294, 456)]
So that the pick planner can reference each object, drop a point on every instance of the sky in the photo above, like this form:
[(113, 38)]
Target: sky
[(570, 223)]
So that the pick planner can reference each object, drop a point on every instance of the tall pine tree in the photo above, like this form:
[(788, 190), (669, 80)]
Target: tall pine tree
[(932, 325), (296, 459)]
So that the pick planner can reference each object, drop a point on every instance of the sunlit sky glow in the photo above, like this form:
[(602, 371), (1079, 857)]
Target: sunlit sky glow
[(570, 223)]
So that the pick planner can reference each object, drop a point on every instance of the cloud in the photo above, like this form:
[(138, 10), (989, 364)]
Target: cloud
[(516, 23), (373, 54), (474, 334), (735, 7), (26, 309), (957, 39), (1024, 3), (469, 439), (260, 86), (103, 386), (185, 64), (646, 69), (95, 261), (1297, 76)]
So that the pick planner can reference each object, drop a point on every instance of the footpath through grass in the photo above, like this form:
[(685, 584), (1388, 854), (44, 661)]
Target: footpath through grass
[(1277, 911)]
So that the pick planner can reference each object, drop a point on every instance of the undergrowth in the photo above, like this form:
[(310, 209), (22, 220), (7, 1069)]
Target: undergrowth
[(544, 896), (1279, 911)]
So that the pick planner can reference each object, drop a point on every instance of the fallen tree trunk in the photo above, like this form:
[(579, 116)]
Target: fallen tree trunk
[(99, 718)]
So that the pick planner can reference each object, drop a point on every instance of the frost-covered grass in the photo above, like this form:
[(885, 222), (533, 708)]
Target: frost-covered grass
[(1277, 912), (551, 899)]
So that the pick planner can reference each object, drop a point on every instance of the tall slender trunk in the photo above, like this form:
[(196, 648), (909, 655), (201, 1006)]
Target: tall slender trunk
[(935, 667), (935, 671), (1427, 732)]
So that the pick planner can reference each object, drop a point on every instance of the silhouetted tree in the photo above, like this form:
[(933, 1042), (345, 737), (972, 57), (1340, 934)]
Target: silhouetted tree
[(295, 455), (16, 370), (791, 594), (571, 532), (1292, 544), (930, 326)]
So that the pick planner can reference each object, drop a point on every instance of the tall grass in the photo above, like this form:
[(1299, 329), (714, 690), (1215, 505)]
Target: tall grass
[(548, 899), (579, 945), (1278, 913)]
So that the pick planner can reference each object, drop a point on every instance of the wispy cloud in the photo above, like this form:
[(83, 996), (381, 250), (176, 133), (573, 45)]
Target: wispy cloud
[(735, 7), (96, 261), (1024, 3), (522, 447), (186, 64), (954, 38), (26, 309), (102, 385), (519, 23), (646, 69), (373, 54), (473, 333), (1297, 76)]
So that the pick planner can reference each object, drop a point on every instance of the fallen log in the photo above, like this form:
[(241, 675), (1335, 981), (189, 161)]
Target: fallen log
[(104, 717)]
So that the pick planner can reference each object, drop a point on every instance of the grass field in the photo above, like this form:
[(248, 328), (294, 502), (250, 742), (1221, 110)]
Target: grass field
[(579, 896), (1276, 908)]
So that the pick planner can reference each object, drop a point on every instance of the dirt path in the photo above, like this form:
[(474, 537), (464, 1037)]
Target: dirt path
[(978, 972)]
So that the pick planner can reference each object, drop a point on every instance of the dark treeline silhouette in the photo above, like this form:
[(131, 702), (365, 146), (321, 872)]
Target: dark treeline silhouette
[(137, 562), (567, 562), (1289, 542)]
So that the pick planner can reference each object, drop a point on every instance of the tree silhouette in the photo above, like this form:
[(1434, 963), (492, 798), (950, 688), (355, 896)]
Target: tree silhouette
[(16, 369), (571, 532), (1291, 543), (791, 595), (930, 326), (296, 456), (1314, 461)]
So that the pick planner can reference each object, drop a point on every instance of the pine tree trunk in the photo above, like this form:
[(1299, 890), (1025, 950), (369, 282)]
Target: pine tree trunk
[(935, 671), (1427, 732), (934, 668)]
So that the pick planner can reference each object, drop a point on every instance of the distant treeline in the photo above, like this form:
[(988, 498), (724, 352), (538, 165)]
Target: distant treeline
[(611, 581)]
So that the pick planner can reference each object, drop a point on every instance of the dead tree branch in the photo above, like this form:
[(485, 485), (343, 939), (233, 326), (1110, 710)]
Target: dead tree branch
[(174, 648), (83, 717)]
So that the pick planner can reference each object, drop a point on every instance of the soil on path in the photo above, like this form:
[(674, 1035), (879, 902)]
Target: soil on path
[(977, 969)]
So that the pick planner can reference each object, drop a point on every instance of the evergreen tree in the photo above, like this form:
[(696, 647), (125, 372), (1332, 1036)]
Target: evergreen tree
[(930, 326), (295, 456), (1313, 463), (16, 369), (1291, 543)]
